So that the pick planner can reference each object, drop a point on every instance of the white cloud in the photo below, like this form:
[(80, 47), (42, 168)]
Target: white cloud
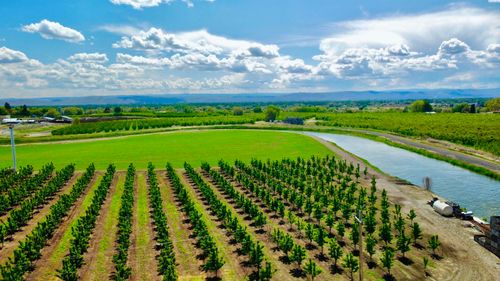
[(89, 58), (478, 27), (140, 4), (54, 30), (11, 56)]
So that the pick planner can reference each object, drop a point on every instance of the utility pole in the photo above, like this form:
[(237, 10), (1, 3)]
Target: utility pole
[(13, 146), (359, 218)]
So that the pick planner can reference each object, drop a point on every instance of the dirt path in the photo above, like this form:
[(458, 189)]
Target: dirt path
[(233, 268), (98, 260), (57, 246), (189, 268), (283, 271), (142, 253), (10, 245), (464, 258)]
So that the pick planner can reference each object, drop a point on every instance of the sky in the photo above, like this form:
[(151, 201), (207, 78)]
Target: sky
[(120, 47)]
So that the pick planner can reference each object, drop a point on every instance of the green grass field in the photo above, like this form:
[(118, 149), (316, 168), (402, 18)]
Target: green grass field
[(174, 147)]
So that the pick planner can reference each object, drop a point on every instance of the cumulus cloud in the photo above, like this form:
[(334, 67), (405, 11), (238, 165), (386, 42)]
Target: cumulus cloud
[(140, 4), (89, 58), (54, 30), (478, 27), (11, 56)]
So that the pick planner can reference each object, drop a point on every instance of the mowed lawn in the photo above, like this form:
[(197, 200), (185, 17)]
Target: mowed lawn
[(177, 147)]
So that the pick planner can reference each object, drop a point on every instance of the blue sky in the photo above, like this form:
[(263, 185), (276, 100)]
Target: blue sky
[(111, 47)]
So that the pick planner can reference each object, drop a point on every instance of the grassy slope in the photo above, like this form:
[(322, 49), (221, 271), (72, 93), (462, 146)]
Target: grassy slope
[(176, 148)]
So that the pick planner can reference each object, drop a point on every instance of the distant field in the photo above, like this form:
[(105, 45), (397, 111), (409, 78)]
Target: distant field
[(171, 147)]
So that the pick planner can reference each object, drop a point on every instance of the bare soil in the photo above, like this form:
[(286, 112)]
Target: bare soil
[(45, 267)]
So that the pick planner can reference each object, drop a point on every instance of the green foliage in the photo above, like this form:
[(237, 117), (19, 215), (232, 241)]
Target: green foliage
[(237, 111), (491, 105), (434, 243), (351, 263), (298, 255), (420, 106), (370, 245), (416, 232), (312, 269), (387, 259), (272, 113), (335, 250)]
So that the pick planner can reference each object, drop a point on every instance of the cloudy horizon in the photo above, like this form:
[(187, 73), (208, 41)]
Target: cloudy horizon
[(120, 47)]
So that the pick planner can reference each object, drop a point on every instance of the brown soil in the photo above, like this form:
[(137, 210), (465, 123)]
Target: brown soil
[(184, 246), (46, 266), (142, 261), (90, 270), (275, 255), (234, 263), (10, 245), (463, 258), (98, 260)]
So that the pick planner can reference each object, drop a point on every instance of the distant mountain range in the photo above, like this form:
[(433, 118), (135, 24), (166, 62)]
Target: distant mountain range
[(256, 98)]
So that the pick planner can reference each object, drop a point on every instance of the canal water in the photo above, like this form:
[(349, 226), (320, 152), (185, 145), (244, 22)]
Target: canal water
[(475, 192)]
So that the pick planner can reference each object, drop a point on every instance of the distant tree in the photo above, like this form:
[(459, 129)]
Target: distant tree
[(420, 106), (117, 110), (107, 110), (272, 113), (464, 108), (24, 111), (257, 109), (237, 111), (491, 105), (53, 113), (7, 106), (3, 111)]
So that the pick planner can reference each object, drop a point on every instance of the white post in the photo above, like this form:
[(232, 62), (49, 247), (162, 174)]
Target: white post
[(13, 146)]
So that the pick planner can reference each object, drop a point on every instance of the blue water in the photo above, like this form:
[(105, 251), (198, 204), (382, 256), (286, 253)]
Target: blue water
[(475, 192)]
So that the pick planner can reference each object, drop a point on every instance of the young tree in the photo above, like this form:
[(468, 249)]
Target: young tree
[(257, 256), (214, 262), (312, 269), (411, 216), (416, 232), (370, 245), (335, 251), (286, 244), (321, 238), (403, 243), (426, 264), (354, 235), (310, 232), (385, 233), (267, 272), (387, 259), (340, 229), (434, 243), (351, 263), (330, 222), (298, 255)]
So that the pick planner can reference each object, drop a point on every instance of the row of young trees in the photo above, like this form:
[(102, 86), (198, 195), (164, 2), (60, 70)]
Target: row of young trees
[(9, 178), (166, 259), (20, 216), (258, 217), (22, 185), (29, 249), (213, 261), (254, 250), (342, 196), (83, 229), (122, 271), (149, 123)]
